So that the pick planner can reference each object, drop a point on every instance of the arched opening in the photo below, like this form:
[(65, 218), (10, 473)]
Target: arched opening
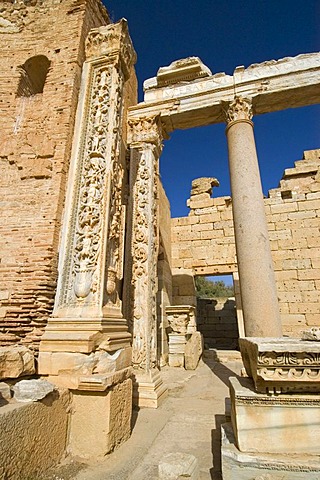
[(33, 74)]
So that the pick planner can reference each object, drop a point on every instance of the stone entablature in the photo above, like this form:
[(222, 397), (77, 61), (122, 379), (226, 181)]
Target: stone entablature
[(272, 85), (203, 243)]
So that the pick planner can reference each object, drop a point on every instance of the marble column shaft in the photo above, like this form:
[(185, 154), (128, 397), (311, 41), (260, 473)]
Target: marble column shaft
[(256, 273)]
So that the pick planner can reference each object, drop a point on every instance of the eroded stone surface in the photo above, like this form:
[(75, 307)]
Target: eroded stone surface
[(193, 351), (32, 390), (178, 465), (16, 361)]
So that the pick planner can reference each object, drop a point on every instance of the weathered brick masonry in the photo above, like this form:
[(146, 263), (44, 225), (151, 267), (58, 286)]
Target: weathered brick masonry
[(35, 143), (203, 243)]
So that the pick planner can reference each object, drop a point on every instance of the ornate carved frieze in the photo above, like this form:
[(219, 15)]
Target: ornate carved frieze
[(114, 41), (282, 365), (239, 109)]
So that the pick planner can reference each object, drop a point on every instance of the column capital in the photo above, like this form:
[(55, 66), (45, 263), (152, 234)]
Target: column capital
[(238, 110), (146, 130), (112, 41)]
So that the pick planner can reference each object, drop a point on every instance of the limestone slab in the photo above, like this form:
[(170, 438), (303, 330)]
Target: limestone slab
[(286, 424), (263, 466), (178, 465)]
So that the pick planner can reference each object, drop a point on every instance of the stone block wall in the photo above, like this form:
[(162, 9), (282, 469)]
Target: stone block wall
[(42, 51), (217, 321), (203, 242)]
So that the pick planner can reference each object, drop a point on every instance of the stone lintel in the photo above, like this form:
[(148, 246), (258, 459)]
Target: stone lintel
[(282, 364), (273, 85), (287, 424)]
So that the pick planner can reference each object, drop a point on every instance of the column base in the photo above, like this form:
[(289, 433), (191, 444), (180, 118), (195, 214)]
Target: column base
[(237, 465), (148, 389), (100, 420), (84, 335)]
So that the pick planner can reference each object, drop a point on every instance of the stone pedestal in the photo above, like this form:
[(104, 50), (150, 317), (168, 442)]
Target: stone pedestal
[(237, 465), (177, 345), (148, 389), (286, 424), (100, 420)]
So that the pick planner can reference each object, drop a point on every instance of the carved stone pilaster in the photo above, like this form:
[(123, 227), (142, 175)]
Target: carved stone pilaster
[(145, 138), (91, 260)]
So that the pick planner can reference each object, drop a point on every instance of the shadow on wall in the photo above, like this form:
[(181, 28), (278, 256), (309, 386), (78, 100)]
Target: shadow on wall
[(217, 321), (183, 290)]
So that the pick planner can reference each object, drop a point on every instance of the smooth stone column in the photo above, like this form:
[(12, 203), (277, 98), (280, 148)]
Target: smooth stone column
[(257, 279)]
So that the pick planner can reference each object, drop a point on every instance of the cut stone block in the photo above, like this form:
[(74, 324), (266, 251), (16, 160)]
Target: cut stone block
[(255, 466), (174, 466), (287, 424), (16, 361), (282, 364)]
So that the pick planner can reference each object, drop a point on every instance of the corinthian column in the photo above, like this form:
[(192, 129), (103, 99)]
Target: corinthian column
[(257, 279), (145, 138)]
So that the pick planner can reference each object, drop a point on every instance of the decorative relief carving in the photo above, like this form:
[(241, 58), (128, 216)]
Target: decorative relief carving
[(239, 109), (91, 193), (146, 129), (144, 259), (282, 365), (112, 39)]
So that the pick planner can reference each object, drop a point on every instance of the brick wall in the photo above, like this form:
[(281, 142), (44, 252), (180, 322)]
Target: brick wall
[(203, 242), (35, 142)]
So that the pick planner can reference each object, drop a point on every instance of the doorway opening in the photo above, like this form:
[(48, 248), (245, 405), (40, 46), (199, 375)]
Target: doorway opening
[(217, 312)]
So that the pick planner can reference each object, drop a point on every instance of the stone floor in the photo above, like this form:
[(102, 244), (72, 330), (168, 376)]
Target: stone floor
[(188, 422)]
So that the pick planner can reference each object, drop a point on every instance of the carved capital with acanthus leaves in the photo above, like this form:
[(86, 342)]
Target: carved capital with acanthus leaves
[(239, 109), (146, 130), (113, 41)]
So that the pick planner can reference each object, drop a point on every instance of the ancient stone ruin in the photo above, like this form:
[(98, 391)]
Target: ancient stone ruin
[(97, 289)]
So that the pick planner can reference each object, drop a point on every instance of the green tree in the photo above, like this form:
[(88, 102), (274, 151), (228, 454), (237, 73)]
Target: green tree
[(209, 289)]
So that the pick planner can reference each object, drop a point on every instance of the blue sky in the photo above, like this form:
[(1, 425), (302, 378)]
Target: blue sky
[(224, 34)]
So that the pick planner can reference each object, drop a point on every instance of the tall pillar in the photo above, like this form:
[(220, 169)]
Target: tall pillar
[(145, 138), (88, 308), (257, 279)]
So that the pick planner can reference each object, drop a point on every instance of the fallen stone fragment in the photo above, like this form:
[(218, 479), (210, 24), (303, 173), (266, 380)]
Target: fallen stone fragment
[(178, 465), (5, 392), (312, 334), (193, 351), (32, 390), (16, 361)]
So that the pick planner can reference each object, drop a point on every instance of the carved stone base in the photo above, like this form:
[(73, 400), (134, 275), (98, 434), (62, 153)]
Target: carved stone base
[(84, 335), (282, 364), (149, 389), (263, 466), (100, 420), (285, 424)]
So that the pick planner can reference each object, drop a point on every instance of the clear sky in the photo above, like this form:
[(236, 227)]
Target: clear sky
[(224, 34)]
